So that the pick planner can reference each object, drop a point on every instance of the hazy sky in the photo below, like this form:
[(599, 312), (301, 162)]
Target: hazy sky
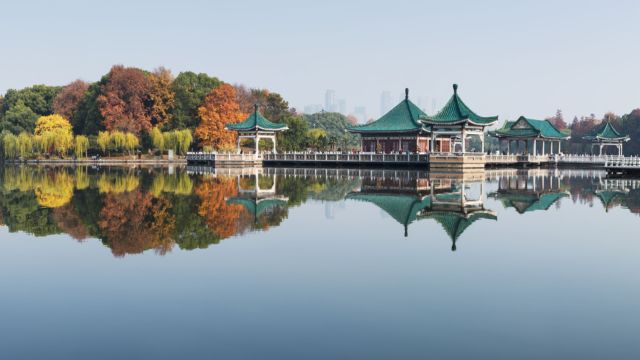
[(509, 57)]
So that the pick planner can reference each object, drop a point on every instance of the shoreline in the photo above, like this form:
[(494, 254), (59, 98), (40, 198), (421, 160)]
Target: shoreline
[(98, 162)]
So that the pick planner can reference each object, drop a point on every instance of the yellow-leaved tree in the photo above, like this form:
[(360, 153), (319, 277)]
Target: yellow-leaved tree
[(53, 133)]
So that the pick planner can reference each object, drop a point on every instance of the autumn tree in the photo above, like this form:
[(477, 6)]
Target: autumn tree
[(273, 106), (54, 134), (161, 96), (222, 218), (68, 99), (220, 107), (123, 100), (558, 120)]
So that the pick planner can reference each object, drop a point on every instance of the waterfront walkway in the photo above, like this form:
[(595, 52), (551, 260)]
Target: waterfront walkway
[(334, 159)]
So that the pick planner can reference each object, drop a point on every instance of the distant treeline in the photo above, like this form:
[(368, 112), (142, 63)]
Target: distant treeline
[(134, 101)]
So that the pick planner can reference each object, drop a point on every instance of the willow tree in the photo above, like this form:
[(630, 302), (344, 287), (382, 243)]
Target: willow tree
[(54, 134), (10, 145), (104, 139), (131, 142), (80, 146), (24, 145), (157, 138)]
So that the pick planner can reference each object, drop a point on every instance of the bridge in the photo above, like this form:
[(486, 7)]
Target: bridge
[(623, 165)]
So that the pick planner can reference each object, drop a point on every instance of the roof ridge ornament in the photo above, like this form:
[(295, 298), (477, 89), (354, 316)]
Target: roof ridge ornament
[(455, 89), (406, 93), (255, 108)]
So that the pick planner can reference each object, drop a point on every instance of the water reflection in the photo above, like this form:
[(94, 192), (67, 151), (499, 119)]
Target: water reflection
[(132, 210)]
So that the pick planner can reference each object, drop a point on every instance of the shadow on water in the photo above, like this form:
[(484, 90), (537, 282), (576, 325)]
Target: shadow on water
[(132, 210)]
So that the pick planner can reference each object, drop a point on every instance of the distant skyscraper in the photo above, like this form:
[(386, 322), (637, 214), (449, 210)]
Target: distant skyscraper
[(330, 101), (385, 102), (342, 106), (361, 113), (312, 109)]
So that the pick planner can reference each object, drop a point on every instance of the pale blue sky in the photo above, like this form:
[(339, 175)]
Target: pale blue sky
[(509, 57)]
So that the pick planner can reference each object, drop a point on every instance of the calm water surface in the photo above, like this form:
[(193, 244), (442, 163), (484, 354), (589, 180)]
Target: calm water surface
[(313, 264)]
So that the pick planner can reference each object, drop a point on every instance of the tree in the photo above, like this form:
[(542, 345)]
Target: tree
[(87, 118), (294, 139), (25, 145), (104, 139), (190, 90), (273, 106), (157, 138), (52, 123), (131, 142), (81, 145), (67, 101), (317, 139), (18, 118), (10, 145), (335, 125), (220, 107), (123, 100), (183, 140), (38, 98), (161, 96), (558, 120)]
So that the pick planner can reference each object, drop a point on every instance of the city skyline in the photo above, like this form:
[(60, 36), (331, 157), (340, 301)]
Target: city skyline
[(529, 58)]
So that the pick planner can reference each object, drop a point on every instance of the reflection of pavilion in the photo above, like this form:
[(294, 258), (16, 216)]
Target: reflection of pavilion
[(445, 201), (612, 192), (257, 194), (527, 193)]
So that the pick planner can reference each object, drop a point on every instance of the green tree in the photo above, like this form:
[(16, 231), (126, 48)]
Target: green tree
[(104, 139), (87, 118), (189, 89), (296, 138), (18, 118), (335, 125)]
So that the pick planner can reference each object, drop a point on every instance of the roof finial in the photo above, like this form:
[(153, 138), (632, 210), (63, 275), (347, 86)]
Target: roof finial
[(406, 93), (255, 107), (406, 231), (455, 88)]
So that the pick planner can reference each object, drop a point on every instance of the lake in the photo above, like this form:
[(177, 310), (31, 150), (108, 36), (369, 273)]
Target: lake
[(165, 263)]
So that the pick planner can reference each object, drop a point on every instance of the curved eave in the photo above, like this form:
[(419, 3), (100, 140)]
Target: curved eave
[(431, 122), (256, 128), (606, 139), (362, 131)]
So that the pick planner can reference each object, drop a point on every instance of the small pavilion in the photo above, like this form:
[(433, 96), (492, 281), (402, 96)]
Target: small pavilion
[(257, 127), (399, 130), (606, 135), (451, 127), (538, 135)]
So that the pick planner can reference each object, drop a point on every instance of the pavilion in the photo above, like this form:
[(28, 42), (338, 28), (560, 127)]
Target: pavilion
[(451, 127), (526, 131), (257, 127), (606, 135), (399, 130)]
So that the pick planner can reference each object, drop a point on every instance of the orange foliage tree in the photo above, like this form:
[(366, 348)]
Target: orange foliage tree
[(222, 219), (67, 101), (134, 222), (123, 100), (219, 108), (161, 96)]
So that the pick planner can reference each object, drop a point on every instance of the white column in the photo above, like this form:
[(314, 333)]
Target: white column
[(257, 144), (464, 140), (535, 150), (238, 148), (432, 143), (543, 146)]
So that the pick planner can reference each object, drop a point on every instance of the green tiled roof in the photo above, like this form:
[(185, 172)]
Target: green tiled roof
[(456, 111), (527, 202), (526, 128), (606, 131), (256, 208), (402, 118), (402, 208), (607, 197), (454, 224), (256, 121)]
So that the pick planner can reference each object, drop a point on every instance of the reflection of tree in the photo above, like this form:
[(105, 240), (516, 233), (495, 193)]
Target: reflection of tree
[(22, 212), (70, 222), (133, 222), (223, 219)]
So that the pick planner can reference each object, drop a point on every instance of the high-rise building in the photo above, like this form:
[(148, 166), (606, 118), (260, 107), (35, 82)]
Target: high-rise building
[(342, 106), (330, 101), (385, 102), (312, 109), (361, 113)]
